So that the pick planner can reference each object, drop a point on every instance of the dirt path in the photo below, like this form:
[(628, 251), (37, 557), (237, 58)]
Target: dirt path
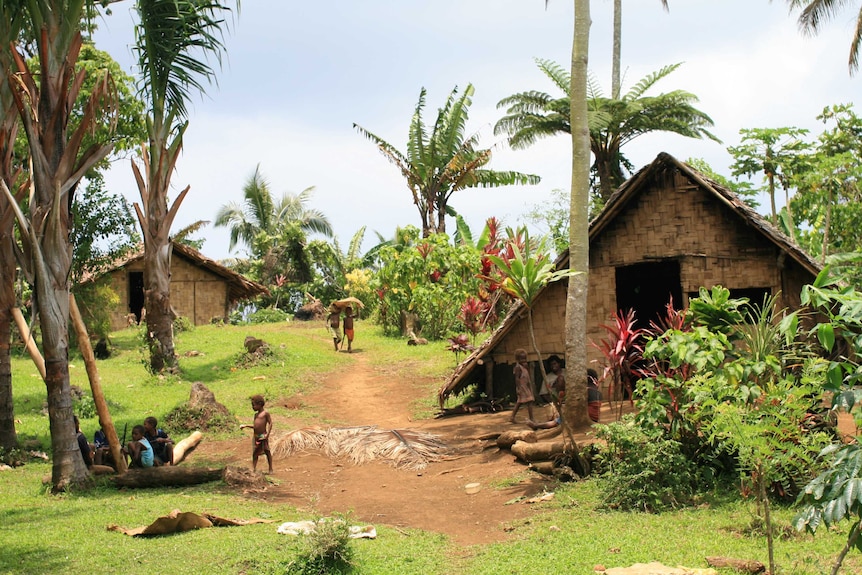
[(432, 499)]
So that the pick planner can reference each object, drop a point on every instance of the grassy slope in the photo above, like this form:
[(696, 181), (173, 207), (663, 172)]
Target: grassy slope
[(41, 533)]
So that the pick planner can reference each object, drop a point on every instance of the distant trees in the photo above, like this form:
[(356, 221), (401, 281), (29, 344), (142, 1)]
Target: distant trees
[(274, 230), (444, 160)]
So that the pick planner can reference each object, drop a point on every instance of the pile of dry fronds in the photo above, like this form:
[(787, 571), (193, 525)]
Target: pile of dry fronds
[(402, 448)]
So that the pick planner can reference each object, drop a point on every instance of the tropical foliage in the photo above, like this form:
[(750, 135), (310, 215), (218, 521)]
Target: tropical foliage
[(274, 231), (816, 12), (444, 160), (613, 122)]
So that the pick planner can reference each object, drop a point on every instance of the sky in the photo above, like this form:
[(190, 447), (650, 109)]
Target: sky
[(298, 75)]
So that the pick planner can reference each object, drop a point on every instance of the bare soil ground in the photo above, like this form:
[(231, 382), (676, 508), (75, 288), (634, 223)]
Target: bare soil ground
[(432, 499)]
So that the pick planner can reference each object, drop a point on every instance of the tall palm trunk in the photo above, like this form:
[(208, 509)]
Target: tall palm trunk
[(617, 49), (575, 408), (156, 220)]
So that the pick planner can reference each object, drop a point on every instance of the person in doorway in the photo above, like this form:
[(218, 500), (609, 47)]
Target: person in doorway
[(523, 385), (261, 428), (348, 328)]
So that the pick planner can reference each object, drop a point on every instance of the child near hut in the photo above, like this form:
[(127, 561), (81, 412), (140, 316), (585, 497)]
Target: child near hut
[(523, 385), (262, 427), (139, 450)]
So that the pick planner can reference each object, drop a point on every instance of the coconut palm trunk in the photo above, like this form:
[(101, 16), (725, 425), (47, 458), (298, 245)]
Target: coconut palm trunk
[(575, 408)]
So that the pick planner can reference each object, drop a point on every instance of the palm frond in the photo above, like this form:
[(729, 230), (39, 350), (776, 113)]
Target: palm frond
[(401, 448), (649, 81)]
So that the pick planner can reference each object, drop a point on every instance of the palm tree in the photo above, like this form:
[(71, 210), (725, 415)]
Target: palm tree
[(174, 38), (443, 162), (274, 232), (815, 12), (613, 122), (617, 49), (58, 160)]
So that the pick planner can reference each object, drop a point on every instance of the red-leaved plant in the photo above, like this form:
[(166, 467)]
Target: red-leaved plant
[(622, 350)]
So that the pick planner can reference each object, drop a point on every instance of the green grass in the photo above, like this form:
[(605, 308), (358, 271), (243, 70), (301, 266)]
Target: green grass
[(43, 533)]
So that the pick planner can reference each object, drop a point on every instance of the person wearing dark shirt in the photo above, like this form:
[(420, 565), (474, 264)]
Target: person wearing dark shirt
[(83, 444)]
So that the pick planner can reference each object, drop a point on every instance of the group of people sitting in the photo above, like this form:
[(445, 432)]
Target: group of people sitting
[(149, 447)]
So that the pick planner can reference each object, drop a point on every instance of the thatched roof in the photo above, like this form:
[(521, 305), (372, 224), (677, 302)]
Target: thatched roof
[(239, 287), (654, 171)]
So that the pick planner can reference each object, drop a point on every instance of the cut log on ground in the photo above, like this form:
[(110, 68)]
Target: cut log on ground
[(543, 467), (744, 565), (544, 451), (508, 438), (166, 476), (186, 446)]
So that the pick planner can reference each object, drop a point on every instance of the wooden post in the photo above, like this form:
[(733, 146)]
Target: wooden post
[(24, 330), (96, 385), (489, 378)]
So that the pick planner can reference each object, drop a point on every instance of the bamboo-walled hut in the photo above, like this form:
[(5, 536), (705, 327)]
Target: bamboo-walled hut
[(665, 233), (202, 289)]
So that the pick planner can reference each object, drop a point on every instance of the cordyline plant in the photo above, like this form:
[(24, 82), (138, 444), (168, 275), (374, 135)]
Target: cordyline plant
[(621, 350), (459, 344)]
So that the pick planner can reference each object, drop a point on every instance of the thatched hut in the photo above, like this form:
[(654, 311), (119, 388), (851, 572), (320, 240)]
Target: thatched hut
[(201, 289), (666, 232)]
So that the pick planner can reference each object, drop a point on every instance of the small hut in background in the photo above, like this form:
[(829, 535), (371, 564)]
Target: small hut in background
[(202, 289), (666, 232)]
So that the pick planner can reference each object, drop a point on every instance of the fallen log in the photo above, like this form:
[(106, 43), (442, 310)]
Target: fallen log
[(508, 438), (543, 467), (544, 451), (744, 565), (186, 446), (167, 476)]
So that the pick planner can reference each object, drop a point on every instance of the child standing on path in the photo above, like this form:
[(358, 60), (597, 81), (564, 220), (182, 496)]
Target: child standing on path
[(523, 385), (348, 327), (262, 427), (334, 322)]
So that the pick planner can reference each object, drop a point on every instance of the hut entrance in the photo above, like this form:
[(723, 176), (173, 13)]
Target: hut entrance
[(136, 294), (647, 288)]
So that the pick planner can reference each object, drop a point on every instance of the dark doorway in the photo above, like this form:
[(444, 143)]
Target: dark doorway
[(136, 294), (647, 289)]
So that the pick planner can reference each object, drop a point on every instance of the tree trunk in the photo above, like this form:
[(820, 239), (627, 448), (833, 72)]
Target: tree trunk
[(105, 419), (8, 436), (617, 49), (160, 314), (575, 413)]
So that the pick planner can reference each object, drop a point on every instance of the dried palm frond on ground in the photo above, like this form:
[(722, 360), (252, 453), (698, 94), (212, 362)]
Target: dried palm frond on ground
[(401, 448)]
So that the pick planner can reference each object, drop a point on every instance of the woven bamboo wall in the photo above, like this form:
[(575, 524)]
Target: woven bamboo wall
[(196, 293), (673, 219)]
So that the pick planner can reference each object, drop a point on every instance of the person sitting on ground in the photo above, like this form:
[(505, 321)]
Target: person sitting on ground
[(102, 449), (163, 446), (139, 450), (83, 444), (554, 386)]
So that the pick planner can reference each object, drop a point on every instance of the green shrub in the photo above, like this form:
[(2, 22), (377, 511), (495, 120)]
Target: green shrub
[(325, 551), (644, 471), (268, 315), (182, 324), (185, 418)]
